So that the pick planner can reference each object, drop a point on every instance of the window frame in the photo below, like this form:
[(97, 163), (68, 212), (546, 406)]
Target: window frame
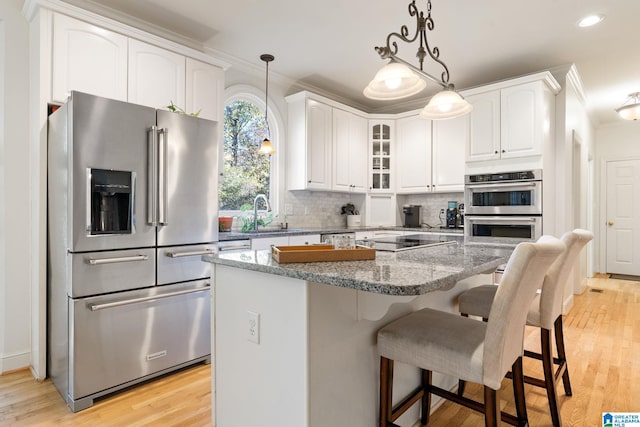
[(255, 96)]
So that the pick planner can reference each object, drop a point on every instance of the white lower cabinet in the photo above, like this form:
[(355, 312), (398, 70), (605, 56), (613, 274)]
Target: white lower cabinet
[(306, 239), (262, 243)]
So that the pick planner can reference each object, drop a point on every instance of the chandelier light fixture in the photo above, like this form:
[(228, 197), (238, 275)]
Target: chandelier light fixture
[(630, 110), (400, 79), (266, 147)]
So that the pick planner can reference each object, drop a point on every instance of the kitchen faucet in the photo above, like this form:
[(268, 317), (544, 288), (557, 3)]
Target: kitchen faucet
[(255, 209)]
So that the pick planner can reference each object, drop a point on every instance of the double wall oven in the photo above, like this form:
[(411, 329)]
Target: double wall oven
[(503, 207)]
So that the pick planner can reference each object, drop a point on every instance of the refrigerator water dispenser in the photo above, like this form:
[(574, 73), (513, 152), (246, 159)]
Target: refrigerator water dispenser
[(111, 202)]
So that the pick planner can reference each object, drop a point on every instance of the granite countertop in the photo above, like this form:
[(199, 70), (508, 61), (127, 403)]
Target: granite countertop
[(237, 235), (411, 272)]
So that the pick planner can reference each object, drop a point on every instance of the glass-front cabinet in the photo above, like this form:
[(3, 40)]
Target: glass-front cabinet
[(380, 154)]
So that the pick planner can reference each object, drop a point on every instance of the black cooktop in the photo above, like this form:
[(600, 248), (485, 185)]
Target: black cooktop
[(411, 241)]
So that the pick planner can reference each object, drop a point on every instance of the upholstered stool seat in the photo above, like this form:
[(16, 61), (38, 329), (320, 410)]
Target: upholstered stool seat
[(462, 347), (545, 312)]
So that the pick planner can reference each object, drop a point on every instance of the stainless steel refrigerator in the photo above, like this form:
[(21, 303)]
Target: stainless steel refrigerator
[(132, 206)]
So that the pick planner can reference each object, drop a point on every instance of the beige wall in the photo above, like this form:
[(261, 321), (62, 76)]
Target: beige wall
[(15, 237)]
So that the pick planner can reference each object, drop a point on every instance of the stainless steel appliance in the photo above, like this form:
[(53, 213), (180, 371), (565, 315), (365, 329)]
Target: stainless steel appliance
[(412, 241), (510, 229), (412, 218), (503, 207), (132, 206), (510, 193), (452, 214)]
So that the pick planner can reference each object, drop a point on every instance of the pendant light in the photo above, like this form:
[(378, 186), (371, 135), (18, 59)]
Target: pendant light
[(630, 110), (399, 78), (266, 147)]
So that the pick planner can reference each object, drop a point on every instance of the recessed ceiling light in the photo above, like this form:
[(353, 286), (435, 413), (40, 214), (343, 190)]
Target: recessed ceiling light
[(590, 20)]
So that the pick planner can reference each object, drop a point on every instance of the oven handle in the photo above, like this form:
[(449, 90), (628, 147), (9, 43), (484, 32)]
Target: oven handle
[(501, 218), (499, 187), (95, 307)]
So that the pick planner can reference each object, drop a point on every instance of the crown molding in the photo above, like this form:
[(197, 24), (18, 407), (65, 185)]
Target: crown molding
[(125, 25)]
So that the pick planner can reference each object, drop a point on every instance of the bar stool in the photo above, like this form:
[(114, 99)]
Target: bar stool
[(545, 313), (475, 351)]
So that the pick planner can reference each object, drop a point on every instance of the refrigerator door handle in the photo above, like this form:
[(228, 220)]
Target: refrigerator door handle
[(95, 307), (152, 182), (162, 177), (100, 261), (190, 253)]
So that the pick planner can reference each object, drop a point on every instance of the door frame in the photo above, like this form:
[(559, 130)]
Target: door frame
[(602, 214)]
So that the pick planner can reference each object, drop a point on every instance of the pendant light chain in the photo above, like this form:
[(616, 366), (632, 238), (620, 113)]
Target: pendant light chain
[(267, 58)]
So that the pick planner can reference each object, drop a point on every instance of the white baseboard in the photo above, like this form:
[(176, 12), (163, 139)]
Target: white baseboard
[(567, 304), (11, 362)]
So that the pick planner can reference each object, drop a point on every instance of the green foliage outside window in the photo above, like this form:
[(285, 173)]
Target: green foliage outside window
[(246, 172)]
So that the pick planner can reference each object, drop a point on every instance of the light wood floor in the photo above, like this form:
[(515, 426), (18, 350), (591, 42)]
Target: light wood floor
[(602, 333)]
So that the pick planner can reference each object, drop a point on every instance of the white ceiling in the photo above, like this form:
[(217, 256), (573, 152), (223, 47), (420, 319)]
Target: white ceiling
[(329, 44)]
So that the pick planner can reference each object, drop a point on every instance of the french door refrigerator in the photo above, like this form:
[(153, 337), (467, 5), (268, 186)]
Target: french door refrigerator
[(132, 206)]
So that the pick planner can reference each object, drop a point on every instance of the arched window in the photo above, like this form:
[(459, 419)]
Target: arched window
[(246, 172)]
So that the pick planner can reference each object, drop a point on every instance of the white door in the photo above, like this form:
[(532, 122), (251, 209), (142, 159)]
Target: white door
[(623, 217)]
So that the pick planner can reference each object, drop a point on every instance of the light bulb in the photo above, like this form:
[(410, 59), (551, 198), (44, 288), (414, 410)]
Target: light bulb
[(393, 83)]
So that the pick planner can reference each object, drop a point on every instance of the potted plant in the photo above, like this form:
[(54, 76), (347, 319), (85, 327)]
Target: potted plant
[(353, 215)]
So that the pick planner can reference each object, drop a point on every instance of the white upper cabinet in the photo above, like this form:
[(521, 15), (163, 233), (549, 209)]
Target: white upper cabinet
[(413, 155), (349, 152), (205, 90), (521, 120), (430, 154), (156, 76), (484, 127), (449, 141), (381, 155), (88, 59), (512, 120), (308, 148)]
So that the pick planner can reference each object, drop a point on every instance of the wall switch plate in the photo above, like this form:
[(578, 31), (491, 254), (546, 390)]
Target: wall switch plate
[(253, 331)]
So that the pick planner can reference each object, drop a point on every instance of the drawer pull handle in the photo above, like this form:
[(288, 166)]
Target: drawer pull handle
[(190, 253), (234, 248), (95, 307), (99, 261)]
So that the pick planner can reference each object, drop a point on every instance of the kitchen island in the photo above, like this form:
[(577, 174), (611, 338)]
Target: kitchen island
[(295, 344)]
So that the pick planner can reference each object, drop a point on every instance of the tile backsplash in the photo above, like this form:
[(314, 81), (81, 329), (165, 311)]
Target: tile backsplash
[(321, 209)]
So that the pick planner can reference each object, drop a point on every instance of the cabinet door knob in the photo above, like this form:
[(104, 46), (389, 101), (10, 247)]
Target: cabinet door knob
[(495, 152), (504, 151), (610, 223)]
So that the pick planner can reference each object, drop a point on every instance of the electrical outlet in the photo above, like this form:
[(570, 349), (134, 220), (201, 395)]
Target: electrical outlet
[(253, 331)]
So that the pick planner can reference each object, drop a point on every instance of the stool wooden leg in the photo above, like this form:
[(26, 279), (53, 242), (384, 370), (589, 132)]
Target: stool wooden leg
[(426, 397), (549, 376), (518, 392), (386, 390), (562, 356), (491, 407), (461, 385)]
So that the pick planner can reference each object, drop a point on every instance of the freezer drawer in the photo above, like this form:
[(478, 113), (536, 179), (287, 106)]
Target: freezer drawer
[(183, 263), (119, 338), (96, 273)]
